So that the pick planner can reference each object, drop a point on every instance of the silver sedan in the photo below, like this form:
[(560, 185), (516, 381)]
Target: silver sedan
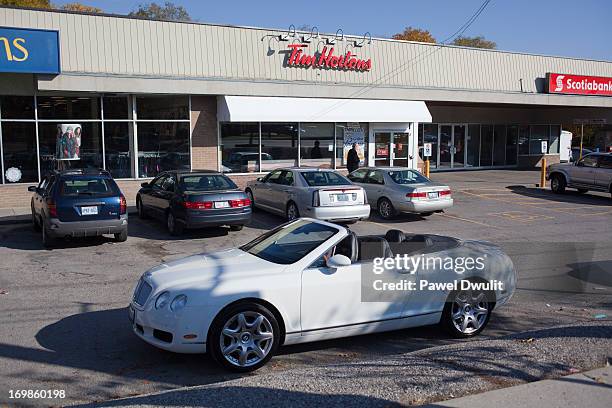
[(309, 192), (399, 189)]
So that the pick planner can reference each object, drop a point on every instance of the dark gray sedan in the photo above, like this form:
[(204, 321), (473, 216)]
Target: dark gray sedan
[(393, 190), (194, 199)]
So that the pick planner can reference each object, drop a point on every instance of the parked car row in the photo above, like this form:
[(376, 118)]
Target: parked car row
[(85, 202)]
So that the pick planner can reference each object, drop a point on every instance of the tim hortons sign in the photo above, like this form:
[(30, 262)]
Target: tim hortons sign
[(326, 59)]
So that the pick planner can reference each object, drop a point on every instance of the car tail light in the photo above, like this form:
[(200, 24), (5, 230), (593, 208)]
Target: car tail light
[(52, 208), (444, 193), (122, 205), (243, 202), (315, 199), (198, 205), (415, 194)]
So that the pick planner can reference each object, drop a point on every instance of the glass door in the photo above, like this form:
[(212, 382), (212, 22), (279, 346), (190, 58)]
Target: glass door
[(451, 146), (458, 151), (400, 150), (445, 146), (382, 142)]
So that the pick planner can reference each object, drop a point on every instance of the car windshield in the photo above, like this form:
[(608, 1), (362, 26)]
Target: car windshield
[(87, 186), (407, 177), (324, 178), (206, 182), (290, 242)]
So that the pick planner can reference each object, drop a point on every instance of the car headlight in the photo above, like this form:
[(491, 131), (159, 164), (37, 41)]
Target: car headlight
[(178, 303), (162, 300)]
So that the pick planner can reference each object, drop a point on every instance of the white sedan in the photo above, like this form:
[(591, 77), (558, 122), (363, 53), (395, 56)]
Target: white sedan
[(311, 280)]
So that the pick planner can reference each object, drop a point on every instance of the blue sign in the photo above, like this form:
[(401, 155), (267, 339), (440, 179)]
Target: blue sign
[(29, 51)]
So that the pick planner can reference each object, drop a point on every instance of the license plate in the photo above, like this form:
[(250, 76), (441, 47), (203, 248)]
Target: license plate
[(432, 194), (131, 313), (89, 210), (342, 197), (222, 204)]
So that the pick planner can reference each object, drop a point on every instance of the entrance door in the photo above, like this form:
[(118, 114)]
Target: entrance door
[(391, 149), (451, 146)]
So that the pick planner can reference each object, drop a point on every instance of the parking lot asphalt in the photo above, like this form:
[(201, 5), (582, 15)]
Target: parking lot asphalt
[(64, 322)]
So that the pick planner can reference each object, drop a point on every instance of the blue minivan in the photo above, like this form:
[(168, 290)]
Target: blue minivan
[(78, 203)]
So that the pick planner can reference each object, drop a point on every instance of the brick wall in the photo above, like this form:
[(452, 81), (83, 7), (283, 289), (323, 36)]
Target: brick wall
[(204, 147)]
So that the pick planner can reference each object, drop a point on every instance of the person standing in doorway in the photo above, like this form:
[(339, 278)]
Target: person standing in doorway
[(352, 159)]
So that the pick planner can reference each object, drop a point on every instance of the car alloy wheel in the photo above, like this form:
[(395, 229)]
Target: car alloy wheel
[(385, 209), (246, 339), (173, 226), (141, 211), (557, 184), (469, 311), (292, 212), (249, 194), (35, 222)]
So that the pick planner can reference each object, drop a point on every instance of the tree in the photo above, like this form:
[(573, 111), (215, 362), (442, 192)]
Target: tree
[(475, 42), (43, 4), (80, 7), (415, 34), (169, 11)]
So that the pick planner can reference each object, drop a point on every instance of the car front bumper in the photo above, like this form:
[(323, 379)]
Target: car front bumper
[(199, 219), (166, 331), (339, 213), (423, 206), (59, 229)]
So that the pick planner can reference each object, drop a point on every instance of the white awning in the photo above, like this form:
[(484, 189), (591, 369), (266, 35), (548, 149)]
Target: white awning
[(280, 109)]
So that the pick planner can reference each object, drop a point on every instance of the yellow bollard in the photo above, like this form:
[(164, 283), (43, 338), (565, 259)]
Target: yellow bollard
[(543, 173), (427, 168)]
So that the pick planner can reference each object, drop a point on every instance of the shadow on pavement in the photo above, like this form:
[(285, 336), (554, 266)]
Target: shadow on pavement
[(570, 196)]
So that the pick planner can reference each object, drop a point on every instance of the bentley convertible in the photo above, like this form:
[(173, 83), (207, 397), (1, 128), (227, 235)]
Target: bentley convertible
[(310, 280)]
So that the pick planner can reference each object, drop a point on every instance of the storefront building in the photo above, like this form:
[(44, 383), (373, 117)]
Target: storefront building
[(137, 97)]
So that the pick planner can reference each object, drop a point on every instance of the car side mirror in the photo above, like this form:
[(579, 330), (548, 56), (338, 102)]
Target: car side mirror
[(145, 184), (32, 189), (338, 261)]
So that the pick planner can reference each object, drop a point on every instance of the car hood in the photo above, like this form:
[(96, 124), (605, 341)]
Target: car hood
[(208, 268)]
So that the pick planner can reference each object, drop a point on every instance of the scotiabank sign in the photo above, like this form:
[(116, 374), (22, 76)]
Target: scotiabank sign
[(326, 59), (579, 84)]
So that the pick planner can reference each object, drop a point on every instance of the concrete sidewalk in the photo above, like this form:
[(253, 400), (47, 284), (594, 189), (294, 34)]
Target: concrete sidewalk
[(589, 389)]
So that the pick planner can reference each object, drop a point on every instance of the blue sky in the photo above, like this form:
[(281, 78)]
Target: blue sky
[(580, 28)]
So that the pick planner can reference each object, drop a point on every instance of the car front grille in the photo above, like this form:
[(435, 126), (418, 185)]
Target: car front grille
[(143, 290)]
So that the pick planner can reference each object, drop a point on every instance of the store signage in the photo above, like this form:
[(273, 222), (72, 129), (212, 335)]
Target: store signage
[(326, 59), (544, 147), (579, 84), (29, 51), (427, 149)]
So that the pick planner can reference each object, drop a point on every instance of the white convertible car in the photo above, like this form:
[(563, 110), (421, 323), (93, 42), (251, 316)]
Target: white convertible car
[(309, 280)]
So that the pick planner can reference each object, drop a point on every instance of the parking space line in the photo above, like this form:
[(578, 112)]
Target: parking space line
[(521, 216), (468, 220)]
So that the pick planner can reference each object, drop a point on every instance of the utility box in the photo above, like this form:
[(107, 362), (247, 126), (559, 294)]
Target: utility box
[(565, 146)]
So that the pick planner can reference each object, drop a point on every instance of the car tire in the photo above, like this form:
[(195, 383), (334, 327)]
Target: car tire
[(582, 190), (557, 183), (475, 307), (249, 194), (47, 240), (426, 214), (386, 209), (175, 228), (292, 212), (232, 339), (142, 213), (236, 227), (35, 223), (121, 236)]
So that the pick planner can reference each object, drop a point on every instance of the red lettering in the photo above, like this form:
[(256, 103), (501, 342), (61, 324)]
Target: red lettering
[(352, 62), (326, 59), (333, 61), (295, 53)]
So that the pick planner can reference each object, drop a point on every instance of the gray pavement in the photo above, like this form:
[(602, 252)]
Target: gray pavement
[(64, 324)]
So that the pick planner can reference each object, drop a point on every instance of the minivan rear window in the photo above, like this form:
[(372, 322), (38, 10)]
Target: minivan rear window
[(87, 186)]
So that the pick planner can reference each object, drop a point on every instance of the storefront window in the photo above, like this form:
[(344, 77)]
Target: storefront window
[(162, 107), (240, 148), (511, 143), (538, 134), (486, 145), (19, 152), (68, 107), (499, 146), (279, 142), (78, 144), (317, 145), (473, 146), (523, 140), (17, 107), (118, 137), (117, 107), (162, 146), (346, 135), (553, 142)]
